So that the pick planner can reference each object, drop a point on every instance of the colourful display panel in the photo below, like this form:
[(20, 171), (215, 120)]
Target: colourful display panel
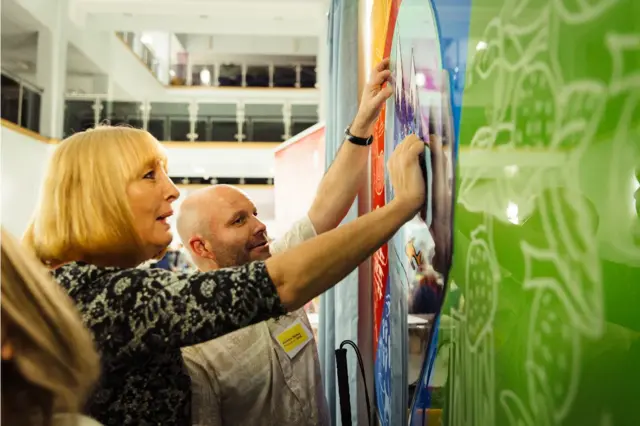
[(545, 329)]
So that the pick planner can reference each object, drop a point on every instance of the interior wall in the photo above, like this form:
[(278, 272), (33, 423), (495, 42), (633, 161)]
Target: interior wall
[(299, 167), (23, 163)]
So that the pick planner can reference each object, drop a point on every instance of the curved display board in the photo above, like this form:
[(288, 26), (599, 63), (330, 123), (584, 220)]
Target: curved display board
[(540, 324)]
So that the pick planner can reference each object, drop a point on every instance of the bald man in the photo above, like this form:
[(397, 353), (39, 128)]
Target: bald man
[(269, 374)]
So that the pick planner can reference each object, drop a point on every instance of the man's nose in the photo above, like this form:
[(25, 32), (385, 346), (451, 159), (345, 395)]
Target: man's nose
[(261, 228)]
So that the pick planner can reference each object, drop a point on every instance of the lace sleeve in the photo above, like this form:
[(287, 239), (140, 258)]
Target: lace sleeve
[(154, 308)]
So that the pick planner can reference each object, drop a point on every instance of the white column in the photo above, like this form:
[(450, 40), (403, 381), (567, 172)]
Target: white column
[(193, 118), (286, 118), (240, 117), (189, 76), (51, 70)]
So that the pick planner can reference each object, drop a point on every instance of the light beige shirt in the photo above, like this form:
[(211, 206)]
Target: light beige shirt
[(246, 378)]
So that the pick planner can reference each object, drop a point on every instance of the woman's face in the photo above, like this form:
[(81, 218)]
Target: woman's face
[(150, 198)]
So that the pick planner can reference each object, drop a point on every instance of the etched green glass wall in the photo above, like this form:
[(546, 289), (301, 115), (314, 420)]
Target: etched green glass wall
[(547, 228)]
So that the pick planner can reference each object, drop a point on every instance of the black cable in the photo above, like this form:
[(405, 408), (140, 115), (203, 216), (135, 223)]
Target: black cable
[(364, 379), (344, 395)]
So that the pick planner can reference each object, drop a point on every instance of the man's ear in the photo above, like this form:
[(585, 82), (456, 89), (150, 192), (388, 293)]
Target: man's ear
[(199, 248)]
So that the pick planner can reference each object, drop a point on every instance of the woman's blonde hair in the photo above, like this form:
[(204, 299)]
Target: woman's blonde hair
[(54, 363), (84, 208)]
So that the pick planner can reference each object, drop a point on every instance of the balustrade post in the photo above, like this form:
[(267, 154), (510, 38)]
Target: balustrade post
[(97, 108), (216, 74), (240, 120), (298, 73), (271, 74), (286, 118), (145, 110), (244, 74), (193, 119)]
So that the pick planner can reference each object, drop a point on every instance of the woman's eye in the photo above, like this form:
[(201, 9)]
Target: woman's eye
[(150, 175)]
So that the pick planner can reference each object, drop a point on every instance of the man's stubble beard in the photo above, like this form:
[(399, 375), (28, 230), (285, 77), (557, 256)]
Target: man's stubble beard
[(228, 260)]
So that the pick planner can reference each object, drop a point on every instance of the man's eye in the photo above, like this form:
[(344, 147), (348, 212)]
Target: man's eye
[(238, 221)]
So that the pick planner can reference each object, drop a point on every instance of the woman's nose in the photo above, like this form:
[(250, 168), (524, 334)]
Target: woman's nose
[(172, 192)]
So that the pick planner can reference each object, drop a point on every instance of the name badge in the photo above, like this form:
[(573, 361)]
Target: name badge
[(294, 338)]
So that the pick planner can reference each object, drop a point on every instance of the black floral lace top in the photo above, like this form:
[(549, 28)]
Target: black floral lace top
[(140, 318)]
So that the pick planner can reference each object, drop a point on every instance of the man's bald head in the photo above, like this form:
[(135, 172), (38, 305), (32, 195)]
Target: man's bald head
[(198, 210), (219, 227)]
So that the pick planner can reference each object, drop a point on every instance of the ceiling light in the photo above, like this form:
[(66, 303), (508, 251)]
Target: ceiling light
[(205, 77)]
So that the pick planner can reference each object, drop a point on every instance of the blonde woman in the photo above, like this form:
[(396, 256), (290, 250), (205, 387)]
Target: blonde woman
[(104, 209), (49, 363)]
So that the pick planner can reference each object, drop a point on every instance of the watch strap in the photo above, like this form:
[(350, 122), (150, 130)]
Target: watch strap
[(357, 140)]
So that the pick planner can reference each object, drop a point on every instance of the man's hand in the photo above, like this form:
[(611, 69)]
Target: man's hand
[(374, 95), (406, 175)]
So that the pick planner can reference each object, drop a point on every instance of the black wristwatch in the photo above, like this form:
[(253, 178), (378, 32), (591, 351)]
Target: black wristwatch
[(357, 140)]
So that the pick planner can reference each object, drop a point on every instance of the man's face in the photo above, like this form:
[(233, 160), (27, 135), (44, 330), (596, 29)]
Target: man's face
[(236, 235)]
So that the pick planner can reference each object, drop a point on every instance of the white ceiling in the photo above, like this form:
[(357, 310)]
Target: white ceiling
[(291, 18)]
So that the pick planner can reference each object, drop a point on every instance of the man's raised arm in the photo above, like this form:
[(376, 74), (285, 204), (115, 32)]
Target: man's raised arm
[(340, 185)]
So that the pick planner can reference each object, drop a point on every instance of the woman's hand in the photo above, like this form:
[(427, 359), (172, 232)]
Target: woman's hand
[(374, 95), (406, 175)]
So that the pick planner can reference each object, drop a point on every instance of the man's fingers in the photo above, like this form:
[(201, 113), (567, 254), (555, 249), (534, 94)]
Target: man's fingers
[(383, 65), (384, 94), (413, 145), (417, 144), (379, 78)]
